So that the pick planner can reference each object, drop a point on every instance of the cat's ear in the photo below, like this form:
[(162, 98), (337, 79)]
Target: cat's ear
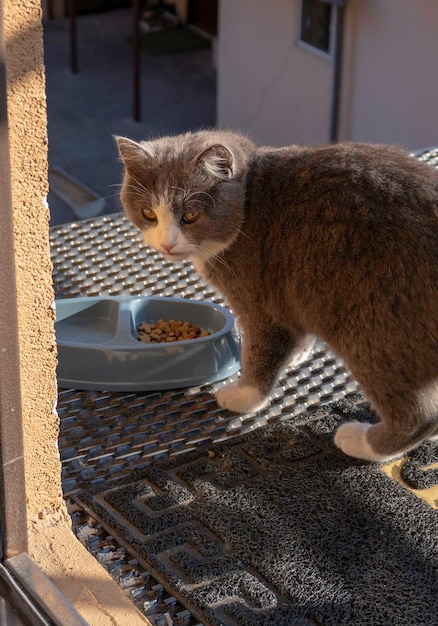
[(217, 161), (133, 153)]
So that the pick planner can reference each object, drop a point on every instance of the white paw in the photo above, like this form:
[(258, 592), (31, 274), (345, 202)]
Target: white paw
[(240, 398), (351, 439)]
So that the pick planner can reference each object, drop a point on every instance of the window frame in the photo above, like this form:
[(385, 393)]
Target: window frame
[(327, 55)]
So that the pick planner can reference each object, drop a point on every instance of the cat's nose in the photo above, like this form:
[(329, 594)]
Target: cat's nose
[(167, 247)]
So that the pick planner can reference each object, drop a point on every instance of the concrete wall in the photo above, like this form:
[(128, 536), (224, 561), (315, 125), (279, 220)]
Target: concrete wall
[(28, 155), (267, 85), (281, 93)]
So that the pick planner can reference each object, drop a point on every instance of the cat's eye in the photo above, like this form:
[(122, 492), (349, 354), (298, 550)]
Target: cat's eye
[(149, 214), (190, 216)]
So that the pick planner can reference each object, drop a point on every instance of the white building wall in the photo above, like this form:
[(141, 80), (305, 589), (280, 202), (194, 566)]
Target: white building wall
[(391, 72), (281, 93), (268, 85)]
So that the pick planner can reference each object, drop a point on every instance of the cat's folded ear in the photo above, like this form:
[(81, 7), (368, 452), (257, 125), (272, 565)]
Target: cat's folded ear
[(217, 161), (133, 153)]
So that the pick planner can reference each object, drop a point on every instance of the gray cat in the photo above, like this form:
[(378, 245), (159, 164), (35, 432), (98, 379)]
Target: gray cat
[(338, 242)]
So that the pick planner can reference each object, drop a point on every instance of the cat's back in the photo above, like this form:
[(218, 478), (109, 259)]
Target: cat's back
[(349, 214), (364, 188), (373, 172)]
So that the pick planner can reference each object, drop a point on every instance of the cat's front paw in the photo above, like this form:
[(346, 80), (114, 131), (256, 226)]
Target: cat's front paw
[(351, 439), (240, 398)]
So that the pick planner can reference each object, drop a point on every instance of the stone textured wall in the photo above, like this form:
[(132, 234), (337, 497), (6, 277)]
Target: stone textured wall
[(28, 155)]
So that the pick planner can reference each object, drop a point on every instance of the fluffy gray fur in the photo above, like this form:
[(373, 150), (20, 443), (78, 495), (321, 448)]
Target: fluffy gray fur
[(338, 242)]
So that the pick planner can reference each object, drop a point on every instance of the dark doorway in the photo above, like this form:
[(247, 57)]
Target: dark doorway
[(203, 15)]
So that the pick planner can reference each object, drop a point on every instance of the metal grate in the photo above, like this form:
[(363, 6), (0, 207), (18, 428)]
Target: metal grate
[(428, 155)]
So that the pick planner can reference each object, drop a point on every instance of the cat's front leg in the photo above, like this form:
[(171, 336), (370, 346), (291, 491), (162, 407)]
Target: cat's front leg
[(264, 353), (241, 398)]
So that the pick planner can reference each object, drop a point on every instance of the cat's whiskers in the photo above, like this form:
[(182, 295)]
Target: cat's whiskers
[(195, 193), (137, 189), (139, 184), (205, 255), (113, 195), (239, 231), (188, 195), (184, 191), (140, 190), (207, 204), (221, 261)]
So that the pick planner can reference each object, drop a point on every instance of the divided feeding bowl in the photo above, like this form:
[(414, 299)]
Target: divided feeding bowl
[(98, 346)]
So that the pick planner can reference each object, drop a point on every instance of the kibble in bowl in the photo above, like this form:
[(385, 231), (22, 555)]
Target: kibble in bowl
[(169, 331)]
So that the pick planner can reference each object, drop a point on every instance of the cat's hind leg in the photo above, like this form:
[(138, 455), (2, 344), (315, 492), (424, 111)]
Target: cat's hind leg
[(404, 425), (352, 439), (266, 350)]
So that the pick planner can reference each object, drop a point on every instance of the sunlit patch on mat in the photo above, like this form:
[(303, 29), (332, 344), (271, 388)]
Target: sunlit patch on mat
[(399, 470), (278, 527)]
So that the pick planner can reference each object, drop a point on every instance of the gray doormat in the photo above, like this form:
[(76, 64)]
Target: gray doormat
[(279, 528)]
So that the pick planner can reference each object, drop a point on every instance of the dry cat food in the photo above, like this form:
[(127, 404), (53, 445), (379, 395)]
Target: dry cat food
[(162, 331)]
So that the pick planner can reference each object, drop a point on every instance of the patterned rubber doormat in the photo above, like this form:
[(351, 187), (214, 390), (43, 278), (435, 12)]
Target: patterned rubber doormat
[(279, 528)]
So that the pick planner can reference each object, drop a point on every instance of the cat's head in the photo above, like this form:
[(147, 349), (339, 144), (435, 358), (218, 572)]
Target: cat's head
[(186, 193)]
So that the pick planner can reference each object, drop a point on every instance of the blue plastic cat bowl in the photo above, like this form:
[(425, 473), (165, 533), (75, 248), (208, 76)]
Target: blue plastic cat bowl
[(98, 346)]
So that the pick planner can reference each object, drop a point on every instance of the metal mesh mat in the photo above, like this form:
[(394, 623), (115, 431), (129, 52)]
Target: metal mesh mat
[(428, 155), (107, 435)]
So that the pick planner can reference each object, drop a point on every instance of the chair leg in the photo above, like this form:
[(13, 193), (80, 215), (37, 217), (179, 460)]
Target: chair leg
[(49, 10), (73, 38), (136, 5)]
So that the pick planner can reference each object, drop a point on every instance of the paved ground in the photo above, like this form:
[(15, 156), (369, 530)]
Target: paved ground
[(86, 109)]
